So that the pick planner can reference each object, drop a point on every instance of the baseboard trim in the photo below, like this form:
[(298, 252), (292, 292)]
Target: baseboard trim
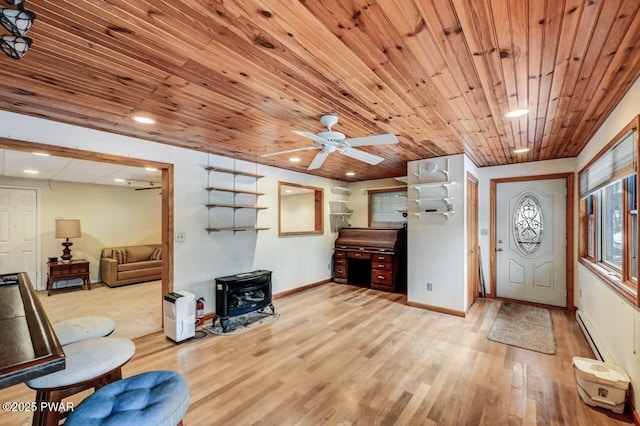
[(634, 414), (437, 309), (299, 289)]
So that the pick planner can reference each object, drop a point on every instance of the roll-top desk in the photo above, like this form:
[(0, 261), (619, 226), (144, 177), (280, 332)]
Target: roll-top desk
[(371, 257)]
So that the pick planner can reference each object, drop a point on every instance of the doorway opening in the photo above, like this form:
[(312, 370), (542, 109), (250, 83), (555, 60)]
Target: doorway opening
[(165, 192)]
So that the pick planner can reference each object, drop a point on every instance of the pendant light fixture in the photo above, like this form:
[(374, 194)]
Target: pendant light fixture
[(17, 22)]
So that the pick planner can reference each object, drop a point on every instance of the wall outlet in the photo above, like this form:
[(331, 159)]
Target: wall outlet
[(180, 237), (429, 286), (329, 266)]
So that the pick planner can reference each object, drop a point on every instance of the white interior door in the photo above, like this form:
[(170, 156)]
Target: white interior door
[(531, 241), (18, 232)]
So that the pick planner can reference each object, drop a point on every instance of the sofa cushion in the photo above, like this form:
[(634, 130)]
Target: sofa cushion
[(140, 253), (132, 266), (120, 255), (146, 274), (157, 254)]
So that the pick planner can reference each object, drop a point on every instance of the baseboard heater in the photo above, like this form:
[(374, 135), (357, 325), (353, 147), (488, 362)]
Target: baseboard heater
[(592, 338)]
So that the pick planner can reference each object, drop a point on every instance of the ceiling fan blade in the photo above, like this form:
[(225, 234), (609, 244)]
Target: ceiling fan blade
[(318, 160), (361, 155), (310, 135), (290, 150), (387, 138)]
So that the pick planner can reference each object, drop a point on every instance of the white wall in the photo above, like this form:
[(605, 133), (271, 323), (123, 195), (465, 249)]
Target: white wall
[(435, 244), (613, 318), (109, 216), (295, 261)]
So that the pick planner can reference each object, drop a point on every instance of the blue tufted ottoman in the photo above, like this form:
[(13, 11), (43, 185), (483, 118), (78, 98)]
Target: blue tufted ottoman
[(155, 398), (82, 328)]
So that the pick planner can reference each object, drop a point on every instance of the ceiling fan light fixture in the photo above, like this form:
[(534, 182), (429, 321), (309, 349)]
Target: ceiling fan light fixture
[(517, 113), (15, 46), (16, 21)]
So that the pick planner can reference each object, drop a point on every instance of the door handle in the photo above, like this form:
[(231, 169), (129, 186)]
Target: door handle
[(499, 249)]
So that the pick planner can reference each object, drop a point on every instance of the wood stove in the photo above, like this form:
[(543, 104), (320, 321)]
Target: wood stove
[(242, 293)]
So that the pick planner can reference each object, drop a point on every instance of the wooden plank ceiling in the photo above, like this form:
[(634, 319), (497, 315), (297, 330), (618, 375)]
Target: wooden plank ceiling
[(235, 77)]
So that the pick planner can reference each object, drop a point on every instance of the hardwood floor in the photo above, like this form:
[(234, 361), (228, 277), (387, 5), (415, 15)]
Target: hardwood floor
[(345, 355)]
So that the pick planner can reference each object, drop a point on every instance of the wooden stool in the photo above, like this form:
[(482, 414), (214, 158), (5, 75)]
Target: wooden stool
[(91, 363), (82, 328), (159, 398)]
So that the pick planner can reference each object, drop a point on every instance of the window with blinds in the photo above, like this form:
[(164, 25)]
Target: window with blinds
[(609, 215), (387, 209)]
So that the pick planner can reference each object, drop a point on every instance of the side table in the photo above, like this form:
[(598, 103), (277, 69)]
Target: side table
[(64, 271)]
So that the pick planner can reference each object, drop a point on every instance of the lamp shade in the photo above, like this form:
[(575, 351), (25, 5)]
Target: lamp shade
[(14, 46), (68, 228), (17, 22)]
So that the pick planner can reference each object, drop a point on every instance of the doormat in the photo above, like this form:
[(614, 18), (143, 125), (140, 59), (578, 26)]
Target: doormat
[(524, 326), (242, 323)]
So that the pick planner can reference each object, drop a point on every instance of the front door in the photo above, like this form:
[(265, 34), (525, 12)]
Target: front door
[(531, 241), (18, 232)]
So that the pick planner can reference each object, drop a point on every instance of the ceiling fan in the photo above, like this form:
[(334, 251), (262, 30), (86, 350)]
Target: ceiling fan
[(331, 141)]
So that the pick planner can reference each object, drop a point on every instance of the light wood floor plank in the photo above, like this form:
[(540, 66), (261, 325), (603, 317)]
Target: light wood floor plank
[(343, 355)]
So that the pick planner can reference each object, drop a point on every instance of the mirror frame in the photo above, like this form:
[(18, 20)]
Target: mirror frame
[(318, 210)]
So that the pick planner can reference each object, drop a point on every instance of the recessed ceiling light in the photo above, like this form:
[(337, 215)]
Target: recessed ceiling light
[(42, 154), (32, 172), (151, 169), (119, 180), (517, 113), (521, 150), (294, 159), (144, 120), (350, 173), (288, 191)]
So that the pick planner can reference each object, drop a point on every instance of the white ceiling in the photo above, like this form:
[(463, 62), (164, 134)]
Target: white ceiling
[(14, 164)]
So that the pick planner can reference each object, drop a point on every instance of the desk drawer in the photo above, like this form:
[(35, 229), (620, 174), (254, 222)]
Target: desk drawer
[(341, 272), (339, 261), (358, 255), (381, 277), (381, 266), (340, 255), (386, 258)]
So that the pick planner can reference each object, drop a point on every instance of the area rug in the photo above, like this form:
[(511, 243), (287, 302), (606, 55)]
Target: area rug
[(524, 326), (242, 323)]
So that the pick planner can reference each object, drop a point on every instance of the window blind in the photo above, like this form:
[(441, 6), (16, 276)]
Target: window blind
[(387, 207), (617, 162)]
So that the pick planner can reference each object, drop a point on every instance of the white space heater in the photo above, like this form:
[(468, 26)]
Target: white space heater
[(179, 315)]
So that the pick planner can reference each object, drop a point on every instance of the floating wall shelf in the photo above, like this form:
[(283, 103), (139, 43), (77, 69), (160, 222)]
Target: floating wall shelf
[(236, 229), (447, 214), (233, 205), (233, 172), (236, 206)]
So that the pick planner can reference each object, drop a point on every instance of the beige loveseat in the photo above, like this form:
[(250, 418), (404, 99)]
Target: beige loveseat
[(136, 264)]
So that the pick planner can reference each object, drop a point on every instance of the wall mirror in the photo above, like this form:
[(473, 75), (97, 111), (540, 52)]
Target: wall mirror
[(300, 209)]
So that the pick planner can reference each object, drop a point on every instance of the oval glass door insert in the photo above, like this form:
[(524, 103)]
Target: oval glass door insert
[(528, 224)]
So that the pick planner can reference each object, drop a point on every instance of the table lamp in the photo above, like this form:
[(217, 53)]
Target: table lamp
[(67, 228)]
